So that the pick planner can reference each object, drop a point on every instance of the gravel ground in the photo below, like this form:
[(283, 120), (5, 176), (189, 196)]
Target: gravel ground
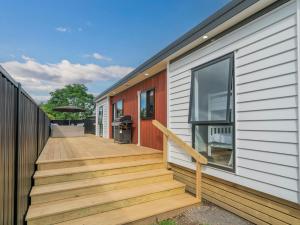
[(209, 214)]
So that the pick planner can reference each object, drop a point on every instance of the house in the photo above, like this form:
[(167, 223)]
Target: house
[(232, 94), (143, 101)]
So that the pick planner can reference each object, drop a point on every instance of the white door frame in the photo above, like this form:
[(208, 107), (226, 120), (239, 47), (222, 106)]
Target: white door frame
[(139, 117)]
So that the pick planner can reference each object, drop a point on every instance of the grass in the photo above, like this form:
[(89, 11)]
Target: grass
[(171, 222), (167, 222)]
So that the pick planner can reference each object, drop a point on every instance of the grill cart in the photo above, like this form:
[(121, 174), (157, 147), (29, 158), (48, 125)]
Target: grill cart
[(122, 129)]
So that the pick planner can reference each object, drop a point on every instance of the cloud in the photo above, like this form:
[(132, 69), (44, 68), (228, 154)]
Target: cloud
[(26, 58), (63, 29), (41, 98), (39, 79), (88, 23), (98, 56)]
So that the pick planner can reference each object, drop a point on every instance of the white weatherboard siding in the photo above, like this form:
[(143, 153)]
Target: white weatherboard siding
[(266, 102), (105, 103)]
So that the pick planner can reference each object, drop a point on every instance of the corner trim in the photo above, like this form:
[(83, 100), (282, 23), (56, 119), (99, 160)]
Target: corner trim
[(139, 117)]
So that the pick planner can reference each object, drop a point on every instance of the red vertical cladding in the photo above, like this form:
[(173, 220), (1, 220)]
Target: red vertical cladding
[(150, 136)]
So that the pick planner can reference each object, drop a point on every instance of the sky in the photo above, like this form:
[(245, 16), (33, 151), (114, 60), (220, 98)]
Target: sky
[(47, 44)]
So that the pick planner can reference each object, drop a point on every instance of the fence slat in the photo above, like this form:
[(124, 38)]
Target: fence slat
[(24, 130)]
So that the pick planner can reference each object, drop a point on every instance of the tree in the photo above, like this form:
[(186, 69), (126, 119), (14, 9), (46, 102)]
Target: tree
[(72, 94)]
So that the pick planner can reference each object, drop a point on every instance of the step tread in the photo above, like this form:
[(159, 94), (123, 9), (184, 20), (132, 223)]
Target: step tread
[(137, 212), (77, 184), (65, 205), (89, 168), (46, 161)]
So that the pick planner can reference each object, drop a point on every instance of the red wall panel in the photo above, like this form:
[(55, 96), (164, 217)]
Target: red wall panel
[(150, 136)]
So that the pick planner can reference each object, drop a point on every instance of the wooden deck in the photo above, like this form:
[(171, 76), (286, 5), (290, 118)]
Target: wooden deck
[(91, 180), (90, 146)]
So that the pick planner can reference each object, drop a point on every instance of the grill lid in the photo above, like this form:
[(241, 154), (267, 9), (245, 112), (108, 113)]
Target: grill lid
[(122, 120)]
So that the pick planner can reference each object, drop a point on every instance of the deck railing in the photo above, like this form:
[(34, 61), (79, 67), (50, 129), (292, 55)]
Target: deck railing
[(200, 159), (24, 130)]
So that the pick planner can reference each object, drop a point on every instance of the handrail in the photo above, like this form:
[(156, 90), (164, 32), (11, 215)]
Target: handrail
[(200, 159), (191, 151)]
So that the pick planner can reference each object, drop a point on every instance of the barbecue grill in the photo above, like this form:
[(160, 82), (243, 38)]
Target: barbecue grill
[(122, 129)]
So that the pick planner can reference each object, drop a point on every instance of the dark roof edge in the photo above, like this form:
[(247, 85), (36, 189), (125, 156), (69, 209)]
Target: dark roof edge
[(226, 12)]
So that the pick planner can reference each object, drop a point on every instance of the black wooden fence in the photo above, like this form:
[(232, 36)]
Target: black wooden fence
[(24, 130)]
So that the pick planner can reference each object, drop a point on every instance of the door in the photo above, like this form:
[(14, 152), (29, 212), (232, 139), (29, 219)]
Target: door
[(113, 111), (148, 135), (117, 111)]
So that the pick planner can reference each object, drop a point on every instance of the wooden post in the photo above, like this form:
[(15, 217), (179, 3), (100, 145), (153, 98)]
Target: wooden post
[(165, 150), (200, 159), (198, 180)]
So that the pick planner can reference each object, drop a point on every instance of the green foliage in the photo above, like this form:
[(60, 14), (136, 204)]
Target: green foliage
[(72, 94), (167, 222)]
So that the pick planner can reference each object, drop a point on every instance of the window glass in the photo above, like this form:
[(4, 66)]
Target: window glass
[(216, 143), (211, 111), (119, 108), (150, 107), (143, 105), (147, 107), (100, 121), (210, 87)]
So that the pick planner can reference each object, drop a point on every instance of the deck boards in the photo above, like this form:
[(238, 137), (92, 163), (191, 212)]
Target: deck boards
[(86, 179), (129, 215), (89, 146)]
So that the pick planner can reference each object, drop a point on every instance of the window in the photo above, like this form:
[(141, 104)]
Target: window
[(100, 121), (147, 104), (211, 111), (119, 108)]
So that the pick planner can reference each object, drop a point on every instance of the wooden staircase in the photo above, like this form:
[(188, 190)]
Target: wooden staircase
[(106, 191)]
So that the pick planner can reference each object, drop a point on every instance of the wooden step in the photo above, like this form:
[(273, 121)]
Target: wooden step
[(52, 192), (84, 161), (92, 171), (67, 209), (141, 214)]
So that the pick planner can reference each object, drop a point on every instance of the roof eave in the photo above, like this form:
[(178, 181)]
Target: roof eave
[(228, 11)]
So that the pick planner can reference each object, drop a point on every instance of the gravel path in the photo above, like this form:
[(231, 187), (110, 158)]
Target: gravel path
[(209, 214)]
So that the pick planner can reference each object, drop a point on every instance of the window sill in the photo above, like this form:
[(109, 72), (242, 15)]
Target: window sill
[(221, 168)]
